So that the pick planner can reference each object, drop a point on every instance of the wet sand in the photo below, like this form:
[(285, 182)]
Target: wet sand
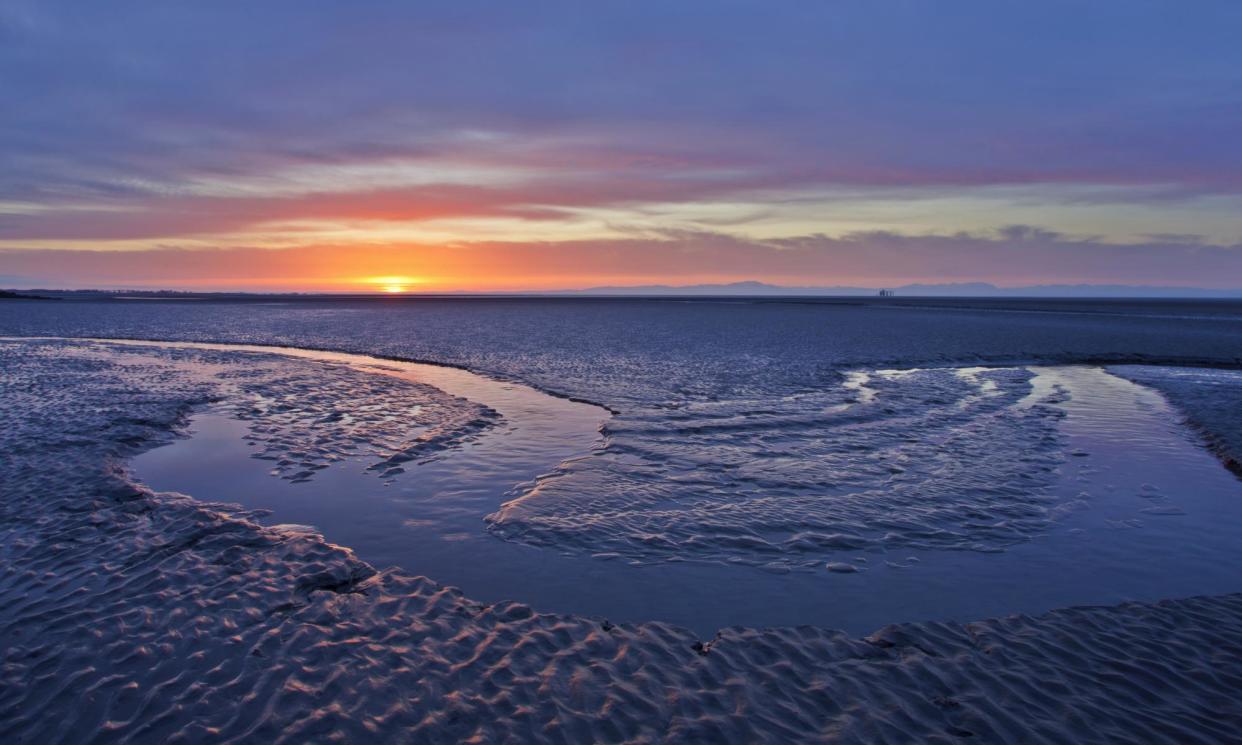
[(133, 616)]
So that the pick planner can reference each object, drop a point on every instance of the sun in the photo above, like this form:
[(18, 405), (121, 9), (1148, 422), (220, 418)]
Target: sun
[(392, 285)]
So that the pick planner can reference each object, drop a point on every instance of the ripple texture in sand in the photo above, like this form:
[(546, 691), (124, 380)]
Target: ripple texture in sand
[(929, 459), (129, 616)]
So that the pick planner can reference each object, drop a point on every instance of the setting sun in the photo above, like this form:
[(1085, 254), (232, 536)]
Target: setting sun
[(393, 285)]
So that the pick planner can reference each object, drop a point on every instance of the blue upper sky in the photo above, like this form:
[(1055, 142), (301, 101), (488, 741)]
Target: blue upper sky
[(607, 142)]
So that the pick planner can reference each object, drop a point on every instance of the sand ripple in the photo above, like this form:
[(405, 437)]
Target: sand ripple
[(128, 616), (937, 458), (1208, 398)]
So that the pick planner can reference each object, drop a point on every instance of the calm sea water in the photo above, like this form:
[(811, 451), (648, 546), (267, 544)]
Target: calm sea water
[(637, 353)]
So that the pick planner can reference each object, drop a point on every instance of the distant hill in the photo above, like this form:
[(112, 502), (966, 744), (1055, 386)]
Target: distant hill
[(733, 289), (959, 289)]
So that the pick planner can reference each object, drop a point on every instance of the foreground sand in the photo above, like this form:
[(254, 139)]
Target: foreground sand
[(140, 617)]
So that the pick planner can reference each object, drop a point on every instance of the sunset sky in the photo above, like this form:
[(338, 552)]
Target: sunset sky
[(443, 146)]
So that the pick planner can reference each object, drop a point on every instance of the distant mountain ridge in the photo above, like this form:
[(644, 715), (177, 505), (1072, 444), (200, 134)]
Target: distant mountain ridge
[(750, 288), (956, 289)]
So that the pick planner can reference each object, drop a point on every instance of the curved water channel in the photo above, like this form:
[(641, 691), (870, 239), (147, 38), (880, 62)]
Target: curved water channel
[(429, 520)]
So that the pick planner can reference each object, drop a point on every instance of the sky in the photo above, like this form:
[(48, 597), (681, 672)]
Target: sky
[(497, 146)]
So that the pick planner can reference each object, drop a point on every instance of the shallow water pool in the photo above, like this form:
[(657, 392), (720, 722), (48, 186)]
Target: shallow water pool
[(1136, 509)]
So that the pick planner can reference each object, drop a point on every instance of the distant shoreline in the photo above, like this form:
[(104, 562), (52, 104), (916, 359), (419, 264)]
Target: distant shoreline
[(938, 299), (8, 295)]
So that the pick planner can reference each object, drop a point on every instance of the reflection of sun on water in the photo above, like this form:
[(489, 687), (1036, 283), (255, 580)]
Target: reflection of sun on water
[(394, 285)]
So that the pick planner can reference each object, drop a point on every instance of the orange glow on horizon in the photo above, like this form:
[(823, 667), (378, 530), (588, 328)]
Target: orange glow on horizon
[(396, 284), (400, 269)]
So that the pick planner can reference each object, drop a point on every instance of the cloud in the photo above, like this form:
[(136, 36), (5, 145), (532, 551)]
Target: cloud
[(874, 258), (200, 122), (974, 94)]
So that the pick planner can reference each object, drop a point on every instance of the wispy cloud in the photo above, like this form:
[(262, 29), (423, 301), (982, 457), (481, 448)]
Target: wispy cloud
[(283, 123), (1012, 256)]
